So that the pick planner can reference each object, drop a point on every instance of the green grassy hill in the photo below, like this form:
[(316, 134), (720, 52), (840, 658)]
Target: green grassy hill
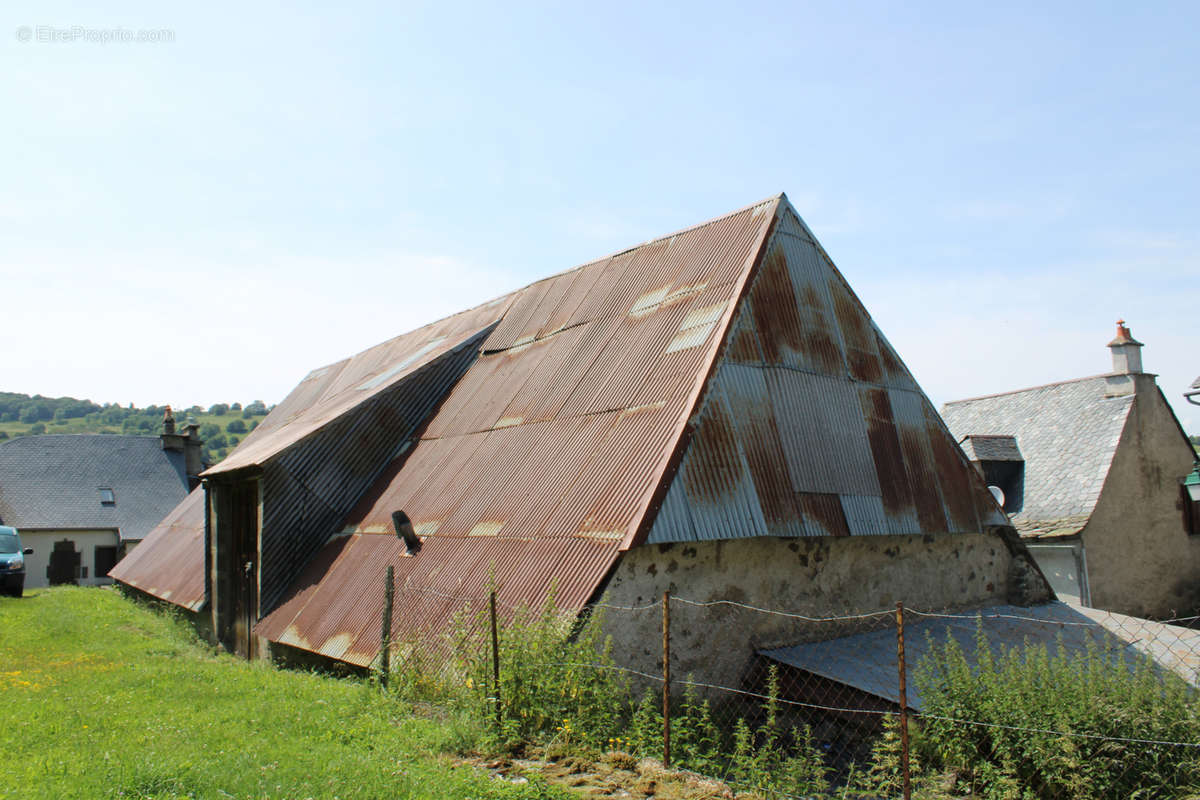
[(25, 415)]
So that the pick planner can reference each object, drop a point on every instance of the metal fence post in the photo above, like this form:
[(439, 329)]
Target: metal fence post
[(902, 669), (385, 632), (495, 660), (666, 699)]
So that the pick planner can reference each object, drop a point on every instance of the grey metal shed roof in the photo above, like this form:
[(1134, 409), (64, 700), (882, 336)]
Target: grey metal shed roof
[(1067, 433), (53, 481), (867, 661)]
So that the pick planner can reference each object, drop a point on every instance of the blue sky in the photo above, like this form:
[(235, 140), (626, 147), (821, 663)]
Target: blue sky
[(207, 219)]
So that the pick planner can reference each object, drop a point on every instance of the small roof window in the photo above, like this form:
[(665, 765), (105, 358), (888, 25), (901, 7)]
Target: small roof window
[(107, 498)]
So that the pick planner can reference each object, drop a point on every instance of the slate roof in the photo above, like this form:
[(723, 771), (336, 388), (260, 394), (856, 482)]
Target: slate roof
[(52, 482), (1067, 433), (991, 448)]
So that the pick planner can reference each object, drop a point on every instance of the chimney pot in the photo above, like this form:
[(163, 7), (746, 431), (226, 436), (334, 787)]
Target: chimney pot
[(1126, 351)]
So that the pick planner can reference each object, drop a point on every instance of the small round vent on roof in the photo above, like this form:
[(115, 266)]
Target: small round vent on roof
[(997, 493)]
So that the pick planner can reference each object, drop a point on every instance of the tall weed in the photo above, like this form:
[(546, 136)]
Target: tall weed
[(1037, 713)]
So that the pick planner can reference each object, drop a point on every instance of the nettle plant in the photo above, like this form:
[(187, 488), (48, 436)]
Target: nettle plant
[(1062, 725)]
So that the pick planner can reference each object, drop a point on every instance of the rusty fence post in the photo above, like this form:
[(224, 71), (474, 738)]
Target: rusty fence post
[(666, 699), (495, 661), (385, 630), (902, 670)]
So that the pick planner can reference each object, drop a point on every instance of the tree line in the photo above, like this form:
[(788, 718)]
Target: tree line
[(44, 414)]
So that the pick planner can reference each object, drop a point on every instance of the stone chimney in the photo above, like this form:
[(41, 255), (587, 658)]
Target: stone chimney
[(1126, 351), (187, 443), (193, 454), (170, 439), (1126, 375)]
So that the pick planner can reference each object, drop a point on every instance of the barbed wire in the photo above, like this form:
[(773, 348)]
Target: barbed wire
[(792, 614), (968, 615), (1074, 734), (887, 612), (655, 604)]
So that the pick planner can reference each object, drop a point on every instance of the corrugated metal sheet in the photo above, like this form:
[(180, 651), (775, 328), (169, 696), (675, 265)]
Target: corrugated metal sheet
[(544, 458), (867, 661), (720, 492), (549, 449), (336, 607), (311, 486), (812, 426), (328, 393), (169, 562)]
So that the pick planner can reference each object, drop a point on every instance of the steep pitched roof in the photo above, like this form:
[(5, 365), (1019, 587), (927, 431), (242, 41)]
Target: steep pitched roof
[(169, 562), (332, 391), (53, 481), (555, 449), (1067, 433)]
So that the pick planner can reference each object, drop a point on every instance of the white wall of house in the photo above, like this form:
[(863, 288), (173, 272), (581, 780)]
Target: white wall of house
[(1140, 559), (86, 542)]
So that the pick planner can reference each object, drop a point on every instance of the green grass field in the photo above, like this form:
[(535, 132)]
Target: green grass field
[(103, 697)]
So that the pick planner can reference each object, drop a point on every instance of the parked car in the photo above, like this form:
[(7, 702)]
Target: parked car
[(12, 561)]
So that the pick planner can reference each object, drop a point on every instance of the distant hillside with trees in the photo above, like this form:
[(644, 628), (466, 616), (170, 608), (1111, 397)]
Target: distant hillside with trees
[(222, 425)]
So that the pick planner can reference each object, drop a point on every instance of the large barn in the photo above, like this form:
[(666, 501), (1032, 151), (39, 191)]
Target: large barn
[(712, 413)]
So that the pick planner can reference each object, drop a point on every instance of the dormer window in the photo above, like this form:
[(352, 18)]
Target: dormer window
[(1002, 466), (107, 498)]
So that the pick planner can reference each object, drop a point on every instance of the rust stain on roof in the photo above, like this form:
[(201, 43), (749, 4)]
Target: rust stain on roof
[(546, 458), (885, 447), (337, 606), (169, 562), (857, 332)]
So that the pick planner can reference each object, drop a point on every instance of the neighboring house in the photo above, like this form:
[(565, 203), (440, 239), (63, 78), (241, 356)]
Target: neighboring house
[(1193, 393), (82, 501), (1091, 472), (712, 413)]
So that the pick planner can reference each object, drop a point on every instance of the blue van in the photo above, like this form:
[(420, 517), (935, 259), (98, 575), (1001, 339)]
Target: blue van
[(12, 561)]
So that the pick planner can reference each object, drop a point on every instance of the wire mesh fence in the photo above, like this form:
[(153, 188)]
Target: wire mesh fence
[(1045, 702)]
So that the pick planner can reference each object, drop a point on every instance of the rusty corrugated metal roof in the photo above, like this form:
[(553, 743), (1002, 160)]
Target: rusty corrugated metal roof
[(169, 562), (811, 425), (336, 608), (547, 457), (552, 444), (330, 392), (563, 425)]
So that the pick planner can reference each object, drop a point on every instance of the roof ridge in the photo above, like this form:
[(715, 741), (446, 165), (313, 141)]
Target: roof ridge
[(639, 245), (1029, 388), (498, 299), (679, 442), (85, 435)]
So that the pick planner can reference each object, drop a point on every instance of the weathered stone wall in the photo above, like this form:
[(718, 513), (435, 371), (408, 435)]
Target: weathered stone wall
[(818, 577), (1140, 559)]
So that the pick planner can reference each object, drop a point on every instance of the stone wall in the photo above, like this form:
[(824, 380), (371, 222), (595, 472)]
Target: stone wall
[(818, 577)]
